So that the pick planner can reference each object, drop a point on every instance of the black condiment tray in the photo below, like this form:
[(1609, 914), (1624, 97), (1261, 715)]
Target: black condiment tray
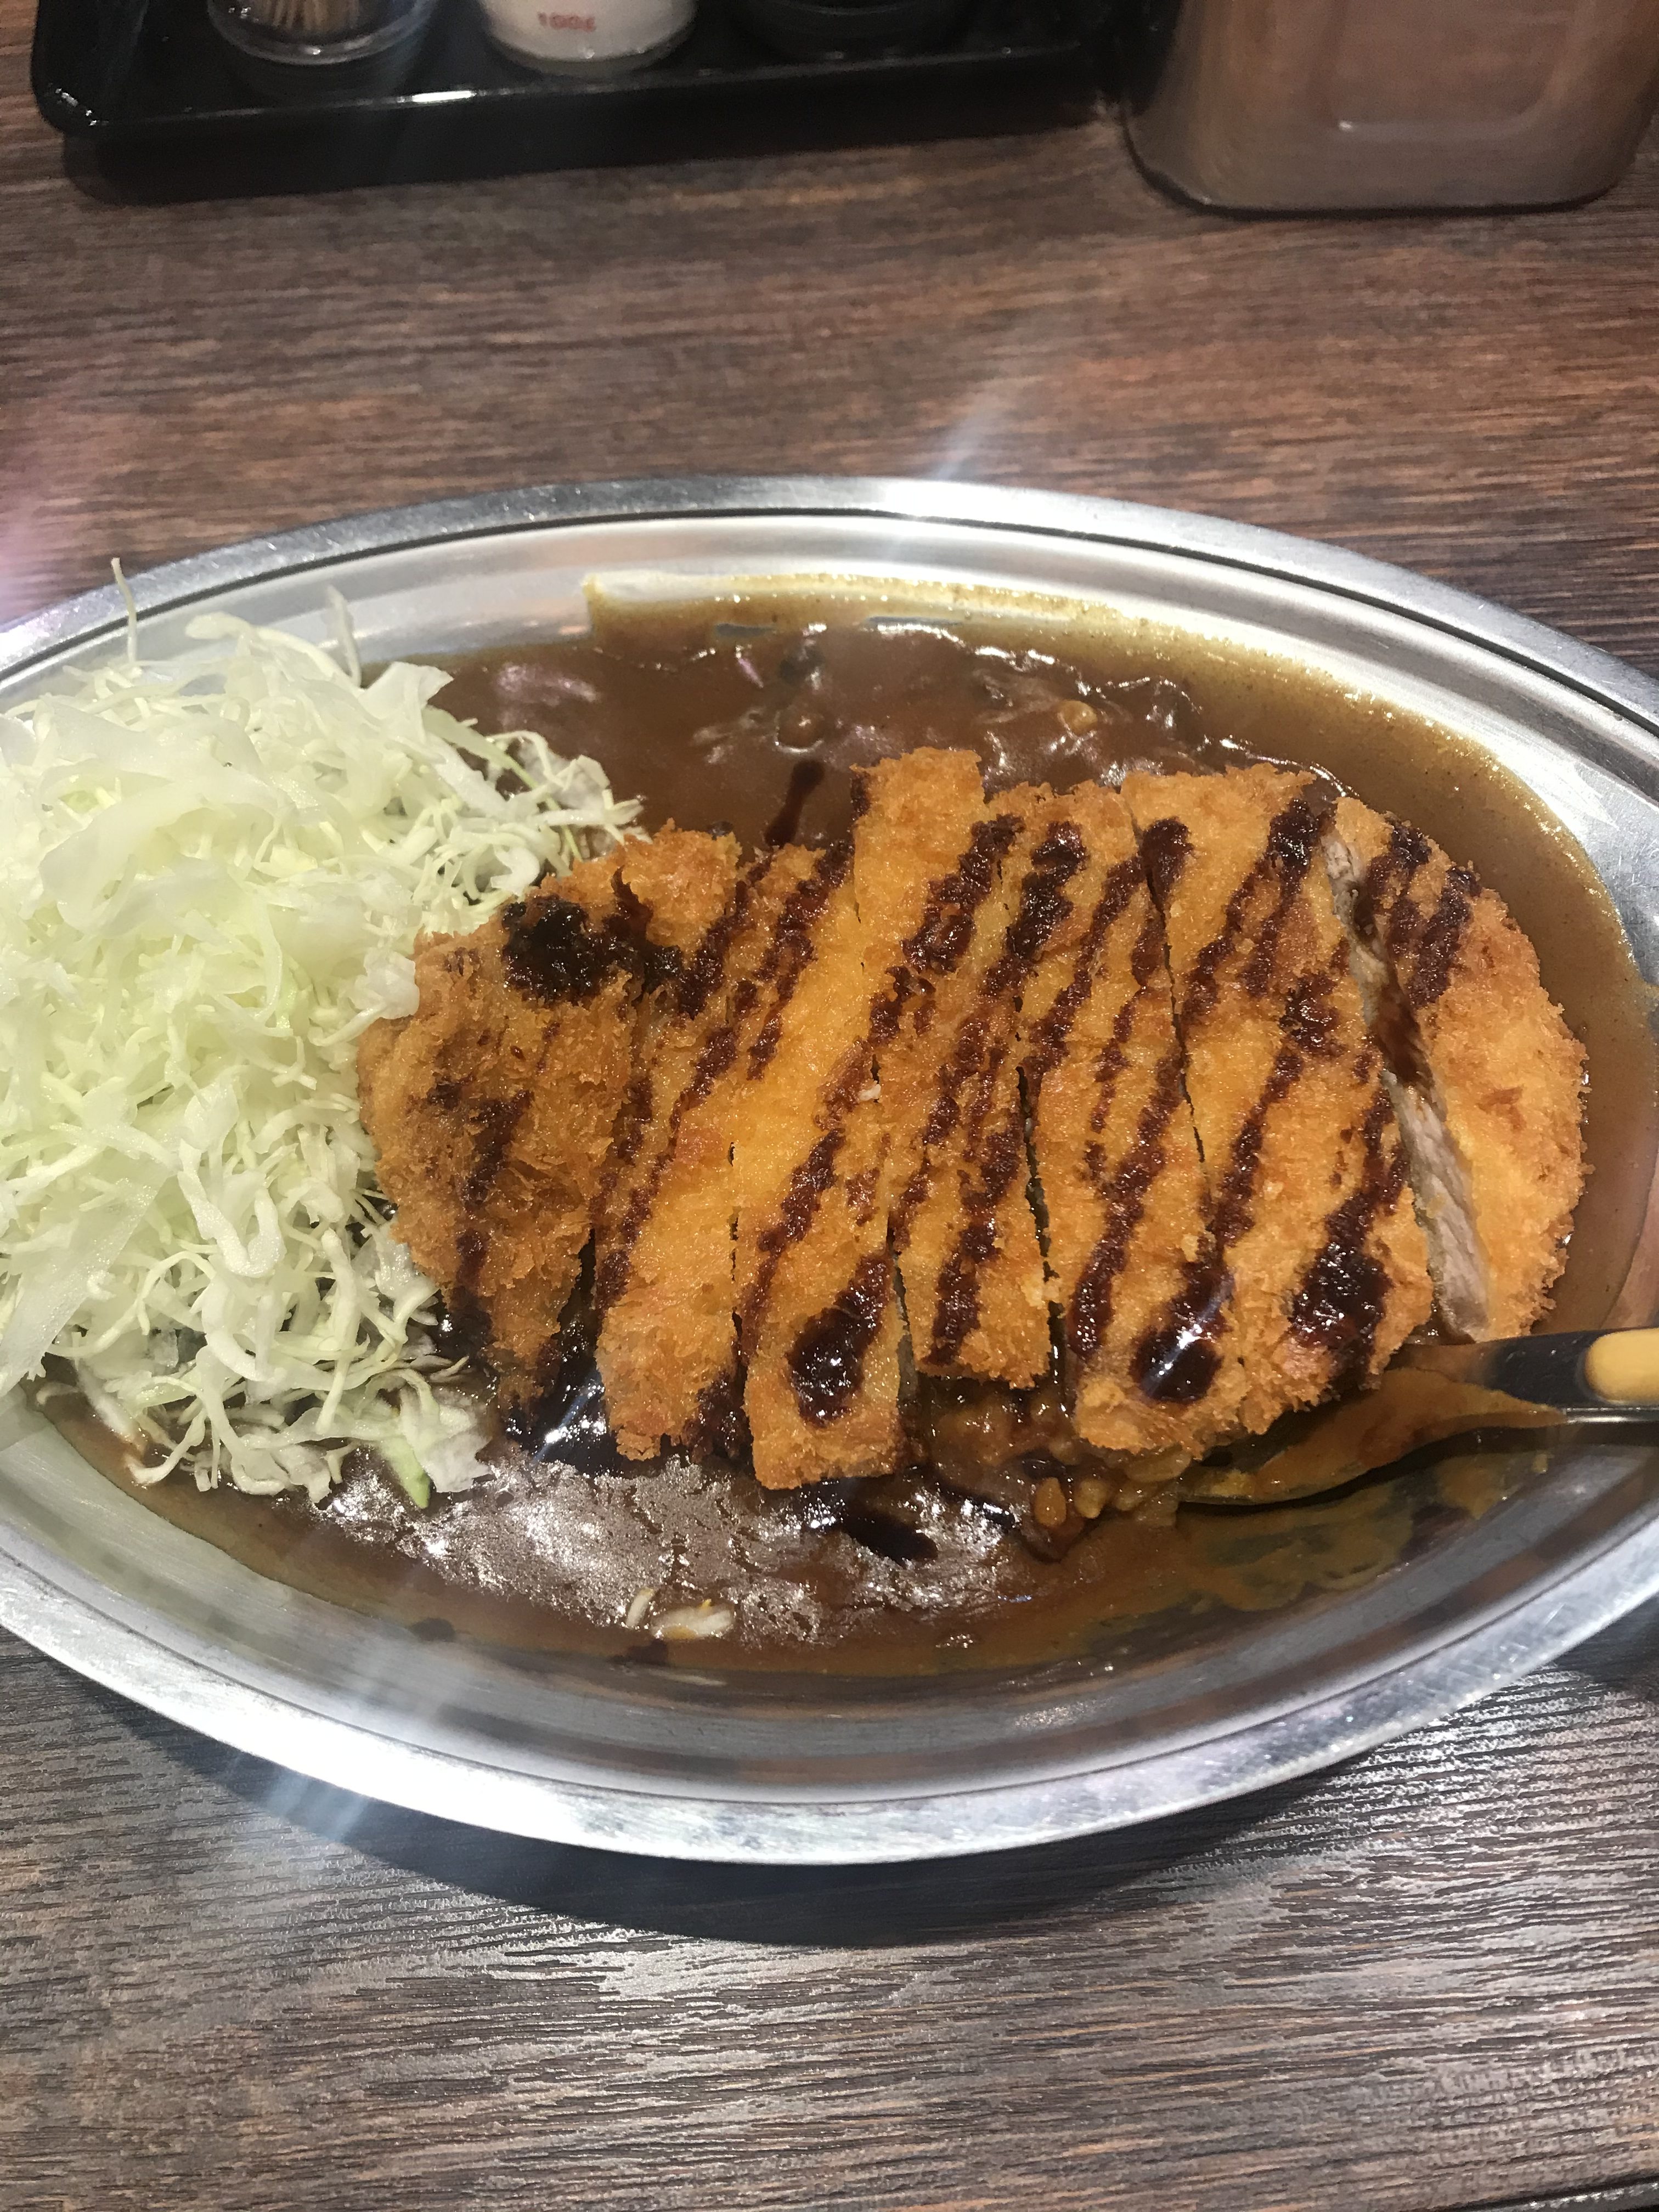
[(122, 74)]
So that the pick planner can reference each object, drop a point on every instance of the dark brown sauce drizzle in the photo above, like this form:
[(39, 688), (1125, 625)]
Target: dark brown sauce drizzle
[(1125, 1193), (1145, 969), (719, 1427), (805, 778), (1292, 841), (1175, 1360), (1234, 1210), (493, 1123), (1175, 1363), (794, 946), (553, 953), (806, 1187), (826, 1361), (1422, 951), (633, 1120), (1287, 856), (1339, 1304), (702, 974), (956, 1311), (1394, 1022), (937, 945), (566, 1420), (1166, 849), (1053, 1033), (944, 1112), (1389, 874), (946, 930), (629, 932), (693, 989), (1309, 1018), (1441, 938), (1043, 907), (995, 1157)]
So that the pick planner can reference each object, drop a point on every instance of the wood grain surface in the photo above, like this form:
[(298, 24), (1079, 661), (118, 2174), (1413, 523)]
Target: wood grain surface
[(1428, 1980)]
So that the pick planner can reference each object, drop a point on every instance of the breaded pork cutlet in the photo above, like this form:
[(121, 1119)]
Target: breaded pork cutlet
[(491, 1107), (1117, 1156), (1487, 1078), (817, 1318), (937, 876), (1309, 1202), (667, 1343)]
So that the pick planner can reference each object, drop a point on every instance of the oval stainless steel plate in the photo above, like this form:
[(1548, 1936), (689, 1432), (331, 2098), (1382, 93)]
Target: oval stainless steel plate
[(694, 1764)]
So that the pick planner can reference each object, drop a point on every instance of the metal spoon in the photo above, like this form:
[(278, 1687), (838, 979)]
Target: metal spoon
[(1592, 1378), (1589, 1375)]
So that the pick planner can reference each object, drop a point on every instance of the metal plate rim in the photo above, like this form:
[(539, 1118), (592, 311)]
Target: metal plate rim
[(1330, 568), (1255, 1755)]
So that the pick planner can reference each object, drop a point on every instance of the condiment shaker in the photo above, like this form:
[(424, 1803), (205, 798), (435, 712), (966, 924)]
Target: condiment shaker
[(318, 35), (586, 38)]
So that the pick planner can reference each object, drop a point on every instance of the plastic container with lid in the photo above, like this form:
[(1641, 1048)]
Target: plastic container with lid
[(1324, 104)]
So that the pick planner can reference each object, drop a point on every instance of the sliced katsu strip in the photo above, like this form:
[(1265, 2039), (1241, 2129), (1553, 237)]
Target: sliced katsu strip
[(663, 1257), (817, 1320), (492, 1105), (977, 1232), (1309, 1203), (1486, 1077), (937, 878), (1117, 1156)]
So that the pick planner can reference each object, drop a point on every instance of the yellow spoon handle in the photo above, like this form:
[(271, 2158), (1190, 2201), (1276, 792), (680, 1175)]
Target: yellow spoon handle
[(1623, 1367)]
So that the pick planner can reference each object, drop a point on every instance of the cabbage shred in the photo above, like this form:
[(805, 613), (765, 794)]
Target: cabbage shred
[(212, 875)]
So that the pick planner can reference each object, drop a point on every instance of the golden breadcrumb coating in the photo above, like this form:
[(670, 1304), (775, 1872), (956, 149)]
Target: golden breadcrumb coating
[(817, 1321), (491, 1108), (1504, 1073), (667, 1343), (684, 880), (1310, 1201), (937, 876), (796, 1101), (1116, 1157)]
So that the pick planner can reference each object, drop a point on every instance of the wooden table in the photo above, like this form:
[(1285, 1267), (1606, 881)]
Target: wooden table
[(1428, 1980)]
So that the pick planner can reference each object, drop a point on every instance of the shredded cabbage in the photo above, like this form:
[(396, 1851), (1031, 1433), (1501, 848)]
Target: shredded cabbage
[(213, 871)]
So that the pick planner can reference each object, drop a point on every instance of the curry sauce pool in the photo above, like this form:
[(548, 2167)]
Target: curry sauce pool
[(541, 1559), (711, 713)]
